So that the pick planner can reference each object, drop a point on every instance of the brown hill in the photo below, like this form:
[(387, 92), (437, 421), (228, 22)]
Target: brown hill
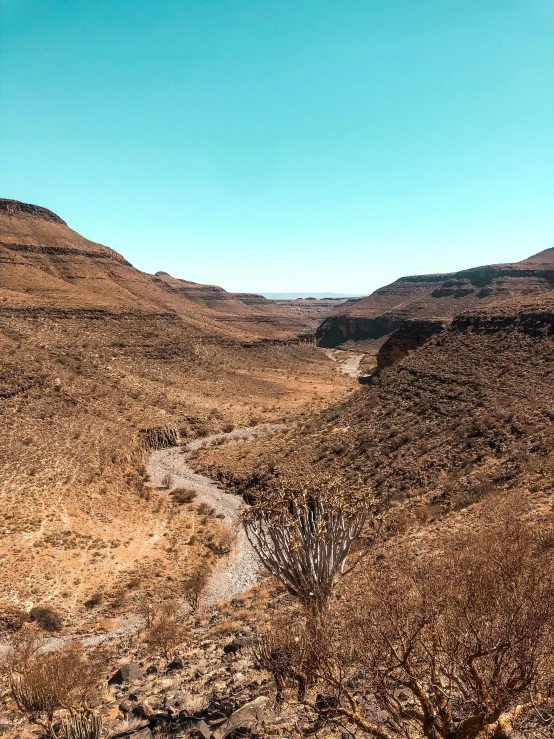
[(242, 310), (45, 265), (93, 354), (469, 413), (436, 298)]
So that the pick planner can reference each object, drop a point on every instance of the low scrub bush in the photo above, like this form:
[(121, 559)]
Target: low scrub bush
[(165, 632), (46, 617), (47, 681), (12, 618), (95, 600), (194, 586), (183, 495), (167, 481), (204, 509)]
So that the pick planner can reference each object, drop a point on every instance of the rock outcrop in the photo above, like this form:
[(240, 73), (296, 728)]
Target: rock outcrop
[(410, 336), (436, 297)]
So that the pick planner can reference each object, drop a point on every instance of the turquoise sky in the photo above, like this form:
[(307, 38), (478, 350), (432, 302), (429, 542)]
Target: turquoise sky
[(285, 145)]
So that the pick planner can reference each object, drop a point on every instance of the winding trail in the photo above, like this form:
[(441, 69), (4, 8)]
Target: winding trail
[(239, 571)]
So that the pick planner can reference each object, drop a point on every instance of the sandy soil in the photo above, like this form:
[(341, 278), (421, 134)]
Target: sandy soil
[(349, 362)]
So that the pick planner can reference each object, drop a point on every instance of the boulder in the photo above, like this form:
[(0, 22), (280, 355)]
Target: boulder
[(201, 730), (141, 732), (175, 664), (255, 712), (126, 674)]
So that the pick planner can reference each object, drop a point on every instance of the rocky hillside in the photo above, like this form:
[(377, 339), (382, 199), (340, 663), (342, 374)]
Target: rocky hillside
[(47, 266), (437, 297), (96, 358), (469, 412)]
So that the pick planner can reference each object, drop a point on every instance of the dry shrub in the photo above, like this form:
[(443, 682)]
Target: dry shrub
[(223, 542), (165, 632), (205, 509), (183, 495), (47, 681), (457, 643), (546, 536), (282, 649), (167, 481), (46, 617), (95, 600), (12, 618), (194, 586)]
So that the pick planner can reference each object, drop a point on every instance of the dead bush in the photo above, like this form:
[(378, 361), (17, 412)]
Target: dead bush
[(167, 481), (205, 509), (165, 632), (282, 649), (12, 618), (46, 617), (95, 600), (47, 681), (194, 586), (223, 542), (183, 495), (456, 643)]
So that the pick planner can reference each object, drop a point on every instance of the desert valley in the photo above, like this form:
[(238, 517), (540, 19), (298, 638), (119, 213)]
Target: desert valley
[(155, 430)]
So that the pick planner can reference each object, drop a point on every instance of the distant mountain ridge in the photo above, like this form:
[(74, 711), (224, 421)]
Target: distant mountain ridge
[(436, 297), (317, 296)]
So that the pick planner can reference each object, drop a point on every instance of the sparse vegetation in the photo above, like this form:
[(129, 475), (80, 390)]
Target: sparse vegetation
[(43, 682), (194, 585), (183, 495), (167, 481), (164, 632), (456, 643), (46, 617)]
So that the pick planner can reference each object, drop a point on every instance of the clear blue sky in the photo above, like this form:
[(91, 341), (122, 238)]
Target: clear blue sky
[(284, 145)]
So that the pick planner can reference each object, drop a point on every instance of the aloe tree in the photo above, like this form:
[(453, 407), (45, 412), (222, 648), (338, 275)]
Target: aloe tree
[(302, 528)]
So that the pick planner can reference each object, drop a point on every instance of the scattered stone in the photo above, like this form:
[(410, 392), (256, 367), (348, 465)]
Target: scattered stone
[(126, 674), (325, 702), (236, 645), (151, 670), (201, 731), (176, 664), (255, 712)]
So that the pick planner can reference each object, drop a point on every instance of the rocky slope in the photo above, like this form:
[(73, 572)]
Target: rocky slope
[(46, 266), (435, 298), (96, 358), (469, 412)]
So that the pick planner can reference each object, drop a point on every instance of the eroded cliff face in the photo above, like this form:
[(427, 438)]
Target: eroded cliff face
[(410, 336), (343, 327), (437, 298)]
